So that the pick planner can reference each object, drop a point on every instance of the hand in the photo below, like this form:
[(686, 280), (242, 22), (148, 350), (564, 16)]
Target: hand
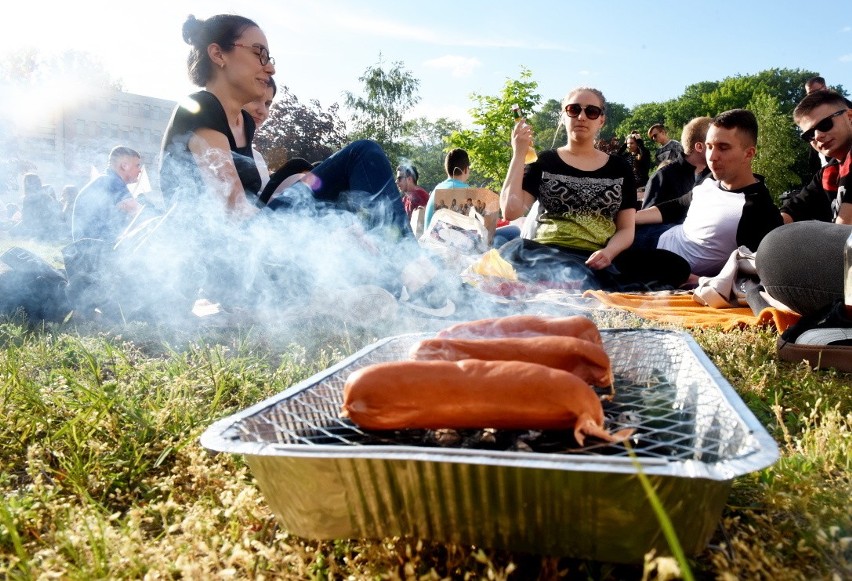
[(599, 259), (522, 137)]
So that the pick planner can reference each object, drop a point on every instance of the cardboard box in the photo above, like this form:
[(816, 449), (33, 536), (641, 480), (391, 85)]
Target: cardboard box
[(481, 203)]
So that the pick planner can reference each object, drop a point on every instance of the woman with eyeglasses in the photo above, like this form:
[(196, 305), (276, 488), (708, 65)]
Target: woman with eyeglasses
[(343, 222), (585, 220)]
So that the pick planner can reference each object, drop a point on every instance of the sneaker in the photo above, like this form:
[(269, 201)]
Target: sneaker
[(823, 339)]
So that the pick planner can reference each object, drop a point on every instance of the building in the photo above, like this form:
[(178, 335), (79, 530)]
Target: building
[(64, 144)]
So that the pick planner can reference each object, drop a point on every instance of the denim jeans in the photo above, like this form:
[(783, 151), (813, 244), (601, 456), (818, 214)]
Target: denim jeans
[(648, 235), (358, 179)]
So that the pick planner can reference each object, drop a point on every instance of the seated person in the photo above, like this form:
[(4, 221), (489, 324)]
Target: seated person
[(259, 111), (730, 209), (413, 196), (667, 149), (679, 176), (457, 166), (41, 213), (826, 124), (583, 234), (342, 223), (105, 206)]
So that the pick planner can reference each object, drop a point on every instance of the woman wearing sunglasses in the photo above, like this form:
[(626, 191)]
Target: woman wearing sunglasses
[(586, 218)]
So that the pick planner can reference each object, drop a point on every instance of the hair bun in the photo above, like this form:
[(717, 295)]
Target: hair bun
[(191, 28)]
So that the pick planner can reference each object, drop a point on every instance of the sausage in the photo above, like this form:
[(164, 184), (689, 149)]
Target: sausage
[(473, 394), (583, 358), (525, 326)]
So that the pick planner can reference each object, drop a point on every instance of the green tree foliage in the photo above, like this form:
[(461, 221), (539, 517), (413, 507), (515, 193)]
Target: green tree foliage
[(782, 158), (545, 123), (489, 143), (616, 113), (776, 145), (379, 113), (297, 130), (426, 146)]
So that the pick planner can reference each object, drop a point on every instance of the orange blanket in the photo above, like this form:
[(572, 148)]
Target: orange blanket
[(681, 309)]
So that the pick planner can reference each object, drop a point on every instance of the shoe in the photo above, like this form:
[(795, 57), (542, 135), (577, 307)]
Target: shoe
[(823, 339)]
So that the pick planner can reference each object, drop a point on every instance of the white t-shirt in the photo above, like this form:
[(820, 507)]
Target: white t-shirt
[(262, 168), (708, 235)]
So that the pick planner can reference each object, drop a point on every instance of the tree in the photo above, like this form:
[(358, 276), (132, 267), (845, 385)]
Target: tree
[(615, 114), (785, 86), (489, 145), (545, 124), (297, 130), (380, 113), (426, 141), (777, 145)]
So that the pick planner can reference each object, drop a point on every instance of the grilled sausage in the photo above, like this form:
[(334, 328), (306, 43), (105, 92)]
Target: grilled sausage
[(473, 394), (583, 358), (525, 326)]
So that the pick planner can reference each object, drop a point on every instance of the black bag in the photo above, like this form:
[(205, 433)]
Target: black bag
[(29, 283)]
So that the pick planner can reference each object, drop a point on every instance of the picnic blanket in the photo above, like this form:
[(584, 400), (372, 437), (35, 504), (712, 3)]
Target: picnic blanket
[(681, 309)]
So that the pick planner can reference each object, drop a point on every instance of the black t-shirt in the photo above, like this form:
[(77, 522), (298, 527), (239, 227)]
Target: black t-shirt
[(580, 207), (180, 177)]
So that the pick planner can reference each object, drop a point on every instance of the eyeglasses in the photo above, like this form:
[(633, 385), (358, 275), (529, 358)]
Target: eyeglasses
[(654, 136), (825, 125), (261, 52), (400, 178), (592, 111)]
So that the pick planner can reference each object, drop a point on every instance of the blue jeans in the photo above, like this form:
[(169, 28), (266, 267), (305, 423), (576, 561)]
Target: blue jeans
[(359, 179), (648, 235)]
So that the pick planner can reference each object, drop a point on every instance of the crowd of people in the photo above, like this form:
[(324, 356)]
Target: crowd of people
[(239, 233)]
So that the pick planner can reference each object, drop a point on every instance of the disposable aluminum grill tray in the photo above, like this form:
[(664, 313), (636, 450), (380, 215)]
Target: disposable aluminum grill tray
[(538, 492)]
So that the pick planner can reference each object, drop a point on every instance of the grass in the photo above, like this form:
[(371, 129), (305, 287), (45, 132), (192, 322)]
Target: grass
[(103, 478)]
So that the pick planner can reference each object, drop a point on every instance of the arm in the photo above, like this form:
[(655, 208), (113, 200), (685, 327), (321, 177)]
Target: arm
[(514, 200), (845, 214), (760, 216), (810, 203), (212, 153), (650, 215), (625, 227)]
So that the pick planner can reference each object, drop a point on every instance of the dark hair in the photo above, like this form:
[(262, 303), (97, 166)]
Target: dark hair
[(457, 161), (271, 83), (741, 119), (817, 98), (817, 80), (222, 29)]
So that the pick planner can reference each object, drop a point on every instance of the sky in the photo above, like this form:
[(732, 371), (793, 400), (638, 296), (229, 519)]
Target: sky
[(635, 52)]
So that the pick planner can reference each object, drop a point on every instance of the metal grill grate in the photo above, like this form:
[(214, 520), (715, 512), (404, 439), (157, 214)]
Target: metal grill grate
[(665, 388)]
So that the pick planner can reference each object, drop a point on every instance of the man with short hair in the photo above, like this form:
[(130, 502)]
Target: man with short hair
[(825, 120), (413, 196), (105, 206), (678, 177), (667, 149), (457, 167), (729, 209), (814, 84)]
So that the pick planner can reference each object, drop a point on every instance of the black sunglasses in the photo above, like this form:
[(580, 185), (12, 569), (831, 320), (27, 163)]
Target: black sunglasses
[(592, 111), (823, 126)]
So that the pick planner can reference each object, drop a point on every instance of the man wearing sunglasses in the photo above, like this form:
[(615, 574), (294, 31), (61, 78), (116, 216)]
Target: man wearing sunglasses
[(826, 124), (667, 149)]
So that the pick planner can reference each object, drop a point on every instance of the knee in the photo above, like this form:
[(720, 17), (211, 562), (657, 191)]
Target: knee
[(367, 146)]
